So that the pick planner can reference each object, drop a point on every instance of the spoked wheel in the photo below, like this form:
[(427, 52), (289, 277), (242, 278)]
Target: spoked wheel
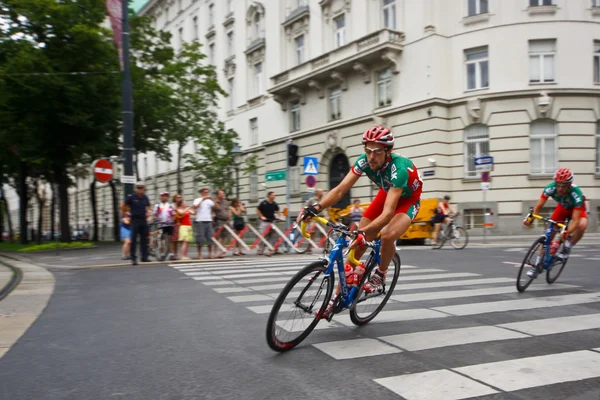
[(294, 314), (441, 239), (368, 305), (459, 238), (163, 247), (557, 267), (523, 280)]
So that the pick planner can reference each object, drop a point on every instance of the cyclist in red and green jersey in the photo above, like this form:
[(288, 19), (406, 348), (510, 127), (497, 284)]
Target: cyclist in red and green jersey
[(395, 205), (571, 204)]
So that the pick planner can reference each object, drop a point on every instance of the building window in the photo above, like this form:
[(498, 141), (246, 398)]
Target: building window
[(478, 7), (598, 148), (477, 144), (299, 49), (597, 60), (231, 100), (180, 35), (294, 180), (195, 26), (229, 6), (384, 87), (596, 3), (473, 218), (536, 3), (335, 108), (477, 67), (180, 5), (541, 60), (543, 147), (257, 25), (300, 3), (339, 26), (167, 14), (295, 116), (253, 186), (389, 14), (258, 79), (211, 54), (211, 15), (253, 131), (230, 44)]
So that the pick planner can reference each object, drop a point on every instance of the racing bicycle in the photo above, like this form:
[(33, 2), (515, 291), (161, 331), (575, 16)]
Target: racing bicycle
[(543, 255), (159, 242), (455, 234), (303, 301)]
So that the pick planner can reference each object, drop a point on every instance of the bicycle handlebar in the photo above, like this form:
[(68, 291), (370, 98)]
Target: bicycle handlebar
[(337, 227), (545, 219)]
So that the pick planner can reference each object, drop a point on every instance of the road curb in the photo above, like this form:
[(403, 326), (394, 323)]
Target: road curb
[(24, 303), (14, 281)]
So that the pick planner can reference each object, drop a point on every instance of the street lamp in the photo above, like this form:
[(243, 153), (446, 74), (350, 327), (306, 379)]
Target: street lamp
[(236, 152)]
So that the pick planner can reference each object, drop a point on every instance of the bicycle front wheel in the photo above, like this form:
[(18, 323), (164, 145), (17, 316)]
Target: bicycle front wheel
[(298, 308), (459, 238), (524, 280), (163, 246), (368, 305), (556, 268)]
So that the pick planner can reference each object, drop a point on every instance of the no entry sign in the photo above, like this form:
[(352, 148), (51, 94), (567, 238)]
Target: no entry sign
[(103, 170)]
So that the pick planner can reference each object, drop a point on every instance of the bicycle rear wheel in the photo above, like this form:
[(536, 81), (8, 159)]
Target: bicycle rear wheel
[(294, 314), (557, 267), (164, 242), (523, 280), (368, 305), (459, 238)]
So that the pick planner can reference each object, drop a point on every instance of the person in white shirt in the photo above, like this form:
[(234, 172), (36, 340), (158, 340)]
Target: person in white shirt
[(164, 215), (203, 228)]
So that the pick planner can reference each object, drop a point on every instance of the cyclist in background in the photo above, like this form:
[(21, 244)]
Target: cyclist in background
[(571, 204), (442, 211)]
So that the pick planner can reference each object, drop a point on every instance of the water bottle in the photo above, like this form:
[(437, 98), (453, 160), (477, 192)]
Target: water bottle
[(359, 271), (553, 247), (349, 271)]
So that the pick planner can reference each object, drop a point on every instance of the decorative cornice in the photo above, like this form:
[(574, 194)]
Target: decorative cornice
[(294, 91), (392, 56), (318, 87), (361, 68), (340, 79)]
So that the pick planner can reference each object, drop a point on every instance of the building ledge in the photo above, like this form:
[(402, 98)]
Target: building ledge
[(540, 177), (477, 18), (256, 45), (256, 101), (211, 32), (229, 20), (296, 15), (542, 10), (595, 11), (542, 83), (383, 45)]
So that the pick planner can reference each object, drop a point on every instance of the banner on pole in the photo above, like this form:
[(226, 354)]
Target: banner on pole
[(115, 14)]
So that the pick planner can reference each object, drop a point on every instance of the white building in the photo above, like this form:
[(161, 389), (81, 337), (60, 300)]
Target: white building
[(455, 79)]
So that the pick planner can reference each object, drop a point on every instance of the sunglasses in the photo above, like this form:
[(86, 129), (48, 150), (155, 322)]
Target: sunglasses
[(140, 187), (376, 152), (563, 185)]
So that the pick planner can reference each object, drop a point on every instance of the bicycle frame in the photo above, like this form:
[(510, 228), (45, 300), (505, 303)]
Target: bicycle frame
[(551, 230)]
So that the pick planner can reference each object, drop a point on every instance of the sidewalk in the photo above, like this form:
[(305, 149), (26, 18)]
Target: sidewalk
[(25, 303), (5, 275)]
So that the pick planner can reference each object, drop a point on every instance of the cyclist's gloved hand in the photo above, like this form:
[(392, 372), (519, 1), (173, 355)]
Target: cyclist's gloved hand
[(528, 221), (307, 213), (360, 239), (565, 236)]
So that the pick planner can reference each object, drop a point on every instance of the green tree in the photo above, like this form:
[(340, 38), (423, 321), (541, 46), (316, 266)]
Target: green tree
[(60, 86)]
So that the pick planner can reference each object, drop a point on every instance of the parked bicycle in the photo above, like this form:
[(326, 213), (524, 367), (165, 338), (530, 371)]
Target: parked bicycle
[(303, 301), (159, 242), (455, 234), (543, 254)]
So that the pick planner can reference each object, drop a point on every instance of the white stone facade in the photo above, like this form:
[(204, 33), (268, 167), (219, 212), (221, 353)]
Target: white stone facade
[(516, 79)]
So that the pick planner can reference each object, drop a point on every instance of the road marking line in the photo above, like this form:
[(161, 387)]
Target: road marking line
[(231, 290), (466, 282), (347, 349), (249, 298), (550, 326)]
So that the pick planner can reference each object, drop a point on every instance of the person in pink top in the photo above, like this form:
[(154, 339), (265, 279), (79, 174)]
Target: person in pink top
[(185, 228)]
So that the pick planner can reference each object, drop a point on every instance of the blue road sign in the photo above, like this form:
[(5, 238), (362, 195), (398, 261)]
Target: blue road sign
[(485, 160), (311, 166), (430, 172)]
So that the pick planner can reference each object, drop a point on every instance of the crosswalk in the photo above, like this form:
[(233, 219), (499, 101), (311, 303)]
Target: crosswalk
[(440, 315)]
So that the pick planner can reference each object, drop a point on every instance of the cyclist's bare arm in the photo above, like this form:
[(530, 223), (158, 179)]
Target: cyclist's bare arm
[(538, 206), (339, 191), (574, 224), (391, 202)]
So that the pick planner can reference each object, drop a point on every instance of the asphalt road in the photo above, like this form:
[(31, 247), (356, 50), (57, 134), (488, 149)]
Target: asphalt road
[(166, 332)]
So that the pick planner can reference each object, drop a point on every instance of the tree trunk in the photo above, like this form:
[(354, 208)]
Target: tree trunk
[(41, 201), (63, 204), (115, 202), (53, 213), (11, 232), (179, 183), (135, 166), (23, 202), (94, 211)]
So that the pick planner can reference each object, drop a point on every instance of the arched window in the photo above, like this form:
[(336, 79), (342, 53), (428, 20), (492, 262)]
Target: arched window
[(255, 17), (543, 147), (338, 169), (477, 144)]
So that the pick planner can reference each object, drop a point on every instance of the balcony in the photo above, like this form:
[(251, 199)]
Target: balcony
[(376, 48)]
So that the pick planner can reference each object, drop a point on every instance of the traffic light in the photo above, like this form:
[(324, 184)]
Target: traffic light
[(292, 154)]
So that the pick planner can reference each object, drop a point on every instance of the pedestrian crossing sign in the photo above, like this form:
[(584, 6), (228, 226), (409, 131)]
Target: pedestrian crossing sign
[(311, 166)]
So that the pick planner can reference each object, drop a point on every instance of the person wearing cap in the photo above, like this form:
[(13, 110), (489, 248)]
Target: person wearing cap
[(441, 217), (203, 225), (139, 206), (164, 215)]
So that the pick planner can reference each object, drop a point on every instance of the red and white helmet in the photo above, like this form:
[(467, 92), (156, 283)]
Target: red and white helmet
[(563, 175), (378, 134)]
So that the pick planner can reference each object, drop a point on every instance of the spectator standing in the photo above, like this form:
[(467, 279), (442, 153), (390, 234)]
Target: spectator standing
[(185, 228), (126, 235), (204, 223), (238, 210), (139, 204), (177, 200), (268, 212), (356, 212), (164, 215), (222, 217)]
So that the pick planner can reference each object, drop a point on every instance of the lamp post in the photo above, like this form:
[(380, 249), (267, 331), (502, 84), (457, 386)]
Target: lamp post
[(237, 153)]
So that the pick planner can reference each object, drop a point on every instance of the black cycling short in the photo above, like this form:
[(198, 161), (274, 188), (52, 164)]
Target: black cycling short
[(167, 230), (438, 219)]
